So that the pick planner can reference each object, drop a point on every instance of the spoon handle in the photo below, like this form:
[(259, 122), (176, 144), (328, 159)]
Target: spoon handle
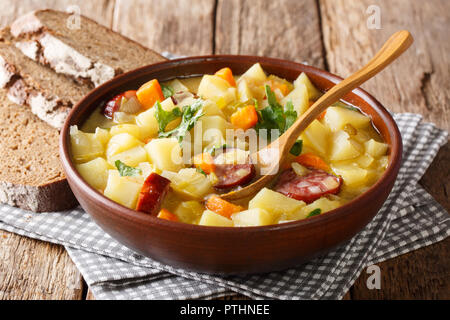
[(392, 49)]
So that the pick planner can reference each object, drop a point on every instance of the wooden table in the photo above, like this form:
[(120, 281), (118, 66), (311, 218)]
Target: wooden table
[(330, 34)]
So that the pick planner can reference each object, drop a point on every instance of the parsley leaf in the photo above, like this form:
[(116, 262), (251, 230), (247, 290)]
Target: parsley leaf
[(313, 213), (167, 91), (125, 170), (201, 171), (297, 148), (274, 116), (189, 116), (213, 149), (165, 117)]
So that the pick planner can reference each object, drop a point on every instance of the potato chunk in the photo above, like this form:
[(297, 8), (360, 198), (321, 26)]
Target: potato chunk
[(217, 89), (85, 146), (132, 129), (189, 183), (95, 172), (131, 157), (165, 154), (121, 142), (316, 136), (189, 211), (344, 148), (299, 98), (337, 117), (376, 149), (252, 217), (324, 204), (210, 218), (255, 74), (313, 92), (123, 190), (275, 203), (352, 175)]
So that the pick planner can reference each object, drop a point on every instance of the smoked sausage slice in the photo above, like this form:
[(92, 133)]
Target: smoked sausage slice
[(233, 174), (309, 187), (152, 194)]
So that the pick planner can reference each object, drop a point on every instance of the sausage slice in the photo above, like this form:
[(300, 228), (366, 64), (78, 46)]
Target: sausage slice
[(309, 187), (232, 175)]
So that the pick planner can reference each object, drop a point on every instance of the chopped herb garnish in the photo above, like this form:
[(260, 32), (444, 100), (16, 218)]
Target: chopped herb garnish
[(189, 116), (167, 91), (297, 148), (125, 170), (274, 116), (201, 171), (165, 117), (212, 150), (313, 213)]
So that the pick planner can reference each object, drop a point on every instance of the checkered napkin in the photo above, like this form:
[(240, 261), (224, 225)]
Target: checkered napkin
[(409, 219)]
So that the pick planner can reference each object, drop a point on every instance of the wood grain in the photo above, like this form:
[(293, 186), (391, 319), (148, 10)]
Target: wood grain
[(287, 29), (176, 26), (31, 269), (99, 10), (417, 82)]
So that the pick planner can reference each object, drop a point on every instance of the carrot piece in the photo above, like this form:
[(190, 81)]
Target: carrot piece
[(283, 87), (149, 93), (322, 115), (222, 207), (226, 74), (312, 161), (205, 162), (167, 215), (245, 118)]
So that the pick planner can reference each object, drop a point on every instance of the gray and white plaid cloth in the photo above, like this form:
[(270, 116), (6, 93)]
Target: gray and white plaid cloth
[(410, 219)]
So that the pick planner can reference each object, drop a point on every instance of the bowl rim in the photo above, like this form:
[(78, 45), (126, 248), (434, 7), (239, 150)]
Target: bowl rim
[(146, 220)]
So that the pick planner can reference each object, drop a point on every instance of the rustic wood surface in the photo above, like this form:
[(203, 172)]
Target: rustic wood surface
[(330, 34)]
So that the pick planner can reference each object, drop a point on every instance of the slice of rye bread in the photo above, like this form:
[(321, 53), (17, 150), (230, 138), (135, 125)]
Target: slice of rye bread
[(87, 52), (49, 95), (31, 176)]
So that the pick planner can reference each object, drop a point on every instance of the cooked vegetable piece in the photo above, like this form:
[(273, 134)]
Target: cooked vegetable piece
[(222, 207), (153, 191), (375, 149), (114, 104), (189, 183), (245, 118), (309, 187), (336, 118), (213, 219), (149, 93), (312, 161), (299, 98), (275, 203), (167, 215), (121, 142), (189, 211), (317, 136), (123, 190), (255, 74), (253, 217), (343, 147), (165, 154), (85, 146), (205, 162), (132, 129), (313, 92), (95, 172), (226, 74)]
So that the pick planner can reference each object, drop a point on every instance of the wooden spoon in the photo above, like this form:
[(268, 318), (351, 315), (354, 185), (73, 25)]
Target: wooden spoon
[(269, 159)]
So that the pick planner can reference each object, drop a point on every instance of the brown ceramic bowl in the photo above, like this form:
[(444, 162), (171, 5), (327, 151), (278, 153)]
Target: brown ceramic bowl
[(221, 249)]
